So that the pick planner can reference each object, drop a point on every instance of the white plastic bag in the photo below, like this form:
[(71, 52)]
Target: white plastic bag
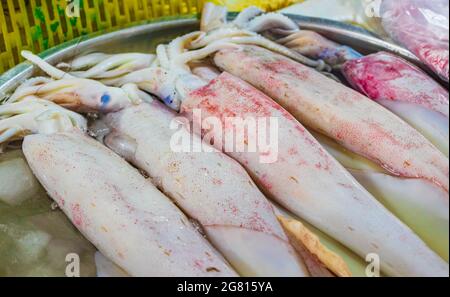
[(422, 26)]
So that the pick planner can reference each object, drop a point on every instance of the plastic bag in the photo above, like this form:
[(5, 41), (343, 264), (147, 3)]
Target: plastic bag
[(422, 26)]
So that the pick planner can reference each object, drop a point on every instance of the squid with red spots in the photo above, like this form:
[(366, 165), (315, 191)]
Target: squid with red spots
[(305, 179), (340, 113), (211, 188), (405, 90), (391, 81), (411, 94), (354, 121), (312, 184), (113, 206)]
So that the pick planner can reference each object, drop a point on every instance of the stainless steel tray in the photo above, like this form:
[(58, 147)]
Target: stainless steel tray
[(144, 38)]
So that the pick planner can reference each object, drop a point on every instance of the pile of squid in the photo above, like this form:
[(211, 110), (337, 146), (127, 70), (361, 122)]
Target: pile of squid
[(361, 171)]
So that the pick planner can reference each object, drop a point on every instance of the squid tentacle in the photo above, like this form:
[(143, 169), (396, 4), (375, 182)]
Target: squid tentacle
[(84, 61), (47, 68), (33, 115), (213, 17), (99, 65), (246, 16), (272, 21), (248, 33)]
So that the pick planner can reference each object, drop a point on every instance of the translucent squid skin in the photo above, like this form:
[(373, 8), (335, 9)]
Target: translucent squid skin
[(313, 185), (211, 188), (405, 90), (118, 210), (341, 113)]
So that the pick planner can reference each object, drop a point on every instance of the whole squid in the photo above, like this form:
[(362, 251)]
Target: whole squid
[(110, 202), (411, 94), (313, 185), (391, 81), (305, 179), (439, 267), (211, 188)]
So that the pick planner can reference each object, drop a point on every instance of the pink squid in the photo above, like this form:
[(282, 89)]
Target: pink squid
[(404, 89), (127, 218), (305, 177), (210, 188)]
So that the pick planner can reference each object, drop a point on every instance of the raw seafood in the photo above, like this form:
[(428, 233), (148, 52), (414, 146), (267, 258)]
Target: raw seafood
[(422, 26), (355, 121), (211, 188), (303, 175), (406, 90), (234, 215)]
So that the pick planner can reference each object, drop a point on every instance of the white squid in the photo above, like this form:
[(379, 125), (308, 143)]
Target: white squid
[(415, 97), (233, 213), (186, 85), (291, 184)]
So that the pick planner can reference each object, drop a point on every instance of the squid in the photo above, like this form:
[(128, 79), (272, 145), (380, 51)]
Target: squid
[(104, 66), (359, 124), (315, 46), (312, 184), (114, 70), (304, 93), (149, 235), (340, 113), (211, 188), (391, 81), (422, 27), (306, 179), (405, 90), (439, 202), (370, 215), (76, 94)]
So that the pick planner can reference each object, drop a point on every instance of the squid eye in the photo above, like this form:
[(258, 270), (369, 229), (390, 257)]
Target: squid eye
[(105, 99), (168, 99)]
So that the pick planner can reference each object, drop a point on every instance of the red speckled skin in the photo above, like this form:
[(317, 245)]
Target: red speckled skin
[(312, 184), (383, 76), (341, 113)]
